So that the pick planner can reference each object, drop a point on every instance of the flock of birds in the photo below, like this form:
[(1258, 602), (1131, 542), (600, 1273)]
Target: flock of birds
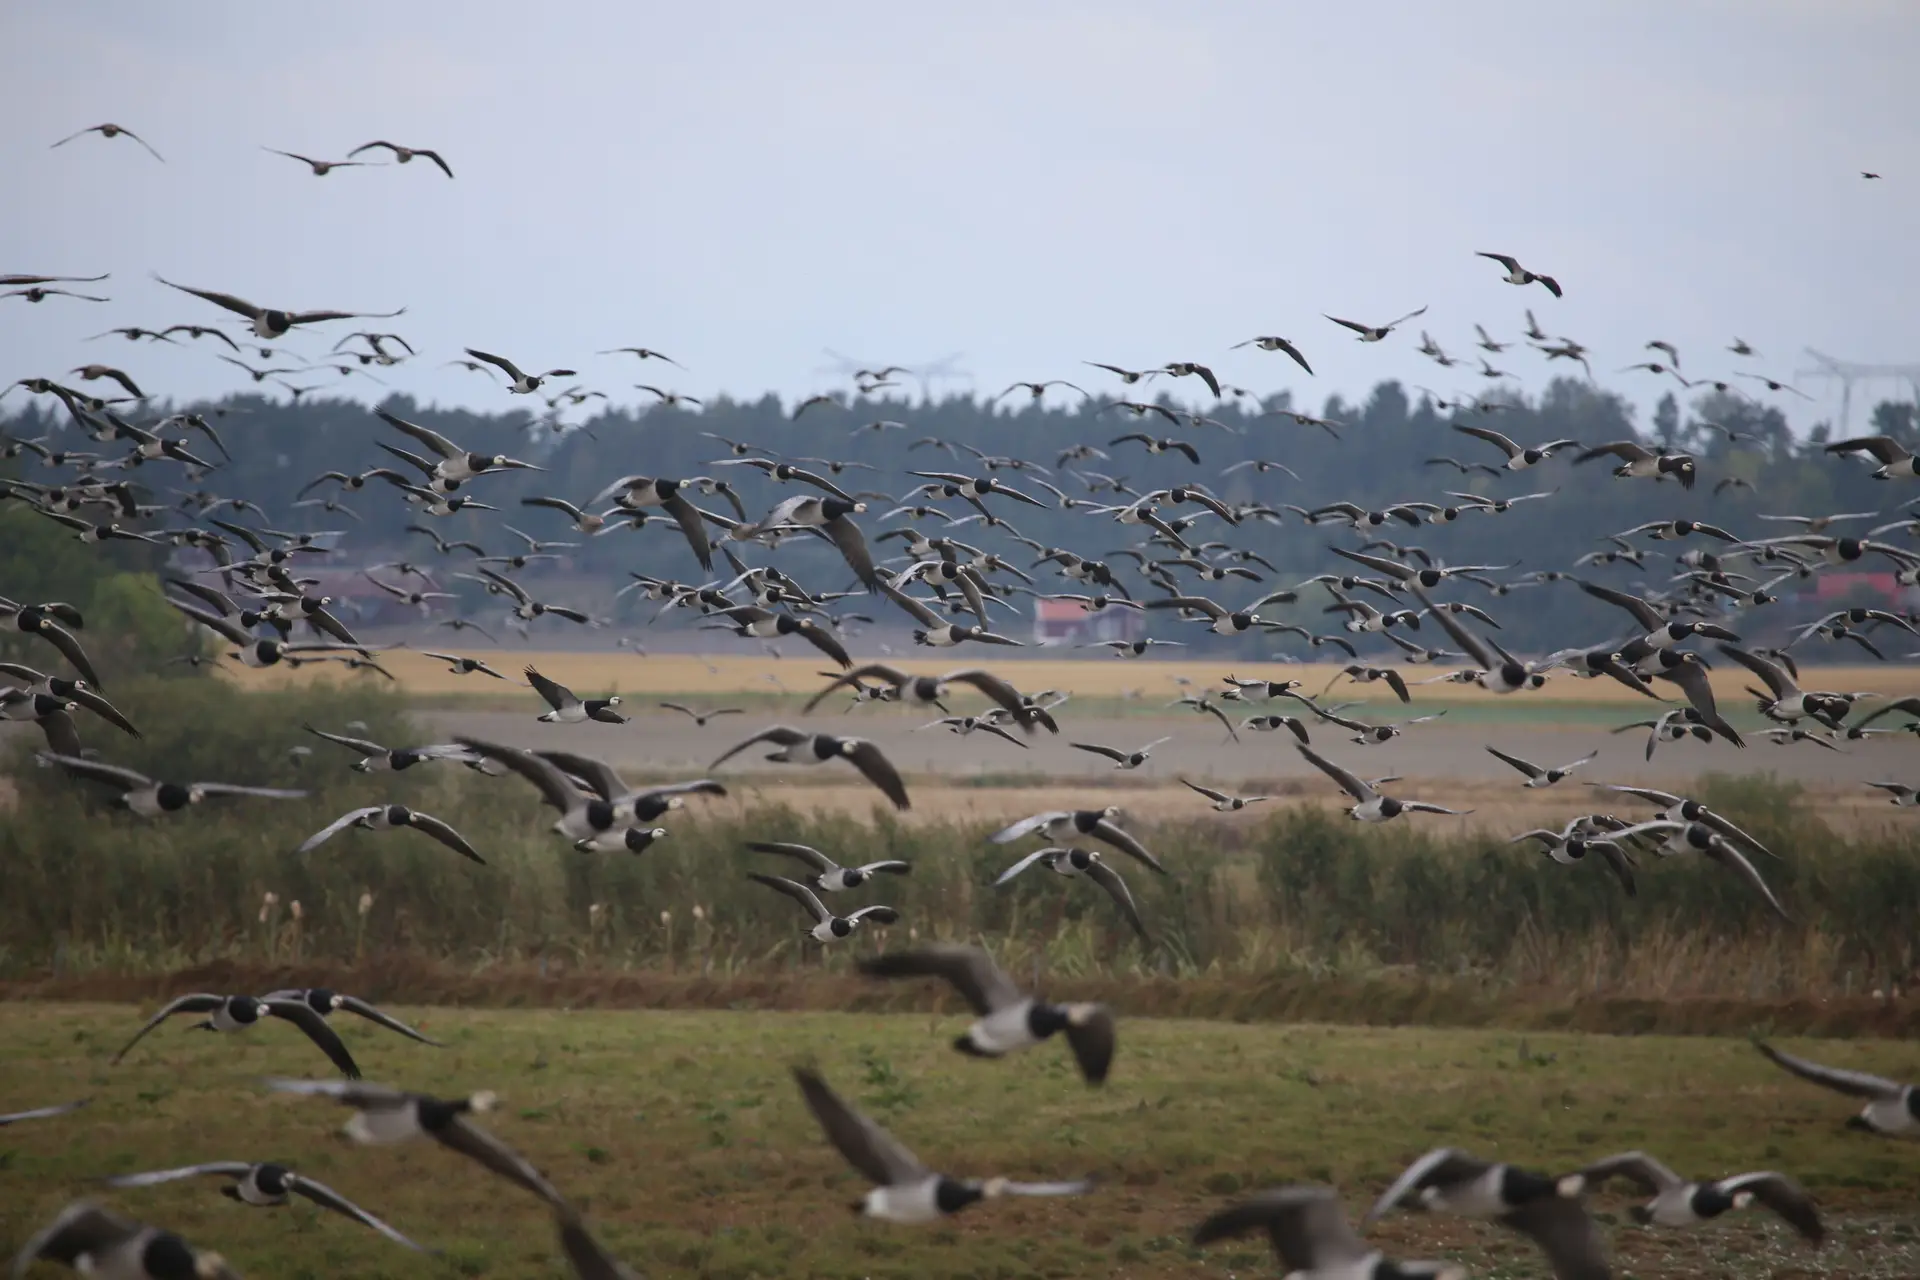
[(241, 583)]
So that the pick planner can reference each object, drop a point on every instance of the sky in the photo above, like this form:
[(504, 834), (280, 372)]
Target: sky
[(1022, 185)]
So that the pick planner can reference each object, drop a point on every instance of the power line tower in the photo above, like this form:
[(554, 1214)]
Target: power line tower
[(1847, 373), (945, 368)]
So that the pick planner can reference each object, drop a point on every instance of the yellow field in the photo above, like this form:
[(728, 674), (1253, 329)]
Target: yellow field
[(690, 674)]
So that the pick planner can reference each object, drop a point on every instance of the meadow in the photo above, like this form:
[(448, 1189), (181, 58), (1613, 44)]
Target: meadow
[(682, 1134)]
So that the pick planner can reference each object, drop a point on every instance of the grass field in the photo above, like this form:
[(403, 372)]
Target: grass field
[(685, 1138), (1100, 678)]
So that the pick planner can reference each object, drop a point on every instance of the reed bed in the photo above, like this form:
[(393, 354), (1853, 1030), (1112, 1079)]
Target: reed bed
[(1297, 893)]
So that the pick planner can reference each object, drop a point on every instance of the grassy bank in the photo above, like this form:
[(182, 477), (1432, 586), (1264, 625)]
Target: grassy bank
[(685, 1137), (1295, 894)]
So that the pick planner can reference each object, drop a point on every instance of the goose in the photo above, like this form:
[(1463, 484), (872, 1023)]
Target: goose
[(461, 666), (455, 462), (767, 624), (378, 759), (43, 1113), (1369, 333), (1678, 1202), (638, 493), (905, 1191), (1517, 274), (796, 746), (102, 1245), (1066, 824), (1007, 1020), (1901, 794), (1637, 462), (829, 876), (700, 718), (264, 1185), (1271, 342), (1088, 863), (1697, 837), (236, 1013), (827, 927), (1659, 632), (934, 631), (1894, 459), (642, 353), (40, 293), (1121, 759), (388, 817), (965, 725), (1368, 734), (1519, 457), (1500, 671), (1223, 802), (1586, 834), (326, 1001), (383, 1115), (931, 690), (1892, 1108), (1223, 621), (270, 322), (321, 168), (74, 691), (1158, 444), (1680, 809), (1189, 369), (1545, 1209), (520, 384), (1035, 390), (1369, 804), (644, 805), (1268, 724), (1537, 776), (111, 130), (583, 521), (147, 798), (1786, 702), (403, 155), (1312, 1238), (585, 818), (1133, 648), (566, 708)]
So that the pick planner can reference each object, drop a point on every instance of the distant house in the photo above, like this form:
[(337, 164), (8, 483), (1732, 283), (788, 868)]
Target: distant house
[(1832, 589), (1063, 622)]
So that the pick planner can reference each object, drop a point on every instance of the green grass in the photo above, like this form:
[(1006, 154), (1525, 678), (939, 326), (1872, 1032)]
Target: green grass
[(685, 1138)]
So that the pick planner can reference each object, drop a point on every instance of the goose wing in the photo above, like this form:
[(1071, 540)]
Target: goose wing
[(1106, 830), (1643, 613), (98, 771), (597, 774), (83, 1229), (42, 1113), (1027, 826), (874, 765), (557, 695), (779, 734), (1208, 792), (869, 671), (302, 1015), (335, 827), (478, 1145), (588, 1257), (862, 1143), (1440, 1165), (355, 1005), (1533, 771), (1117, 756), (364, 746), (199, 1002), (1115, 886), (327, 1198), (1777, 681), (1782, 1195), (1723, 852), (971, 971), (1565, 1233), (805, 853), (1350, 784), (1857, 1084), (153, 1178), (445, 834), (1307, 1226), (1638, 1168), (800, 893), (554, 788)]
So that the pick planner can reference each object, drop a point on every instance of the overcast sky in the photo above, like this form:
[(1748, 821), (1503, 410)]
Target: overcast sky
[(1029, 183)]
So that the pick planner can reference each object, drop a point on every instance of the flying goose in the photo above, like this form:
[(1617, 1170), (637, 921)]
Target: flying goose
[(461, 666), (638, 493), (404, 155), (1270, 342), (102, 1245), (75, 691), (1894, 459), (905, 1191), (829, 876), (935, 632), (1519, 458), (1500, 671), (44, 620), (640, 805), (1785, 702), (1677, 808), (111, 130), (1312, 1238), (325, 1001), (149, 799), (236, 1013), (700, 718), (1697, 837), (520, 383), (569, 709), (263, 1185), (321, 168), (585, 817), (383, 1115), (1587, 834), (768, 624), (1517, 274), (1678, 1202), (1536, 776), (1637, 462), (270, 322), (1007, 1019), (1088, 863), (387, 817), (1121, 759), (1188, 369), (1223, 802), (378, 759), (455, 462), (1892, 1108), (1369, 804), (827, 927), (799, 747), (583, 521), (1066, 824), (1902, 794), (1546, 1210), (931, 690), (1368, 333)]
